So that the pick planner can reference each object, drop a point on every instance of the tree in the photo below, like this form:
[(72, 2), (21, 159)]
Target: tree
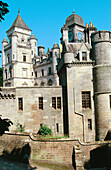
[(3, 10), (4, 125), (1, 77)]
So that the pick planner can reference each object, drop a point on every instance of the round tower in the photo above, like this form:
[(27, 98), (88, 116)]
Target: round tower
[(55, 60), (102, 82), (33, 43), (4, 42), (14, 46)]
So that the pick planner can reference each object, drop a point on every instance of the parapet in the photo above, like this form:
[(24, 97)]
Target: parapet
[(101, 36)]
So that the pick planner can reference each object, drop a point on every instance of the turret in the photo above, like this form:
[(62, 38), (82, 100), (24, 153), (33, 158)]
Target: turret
[(102, 82), (40, 50), (4, 42), (14, 46), (64, 32), (33, 43)]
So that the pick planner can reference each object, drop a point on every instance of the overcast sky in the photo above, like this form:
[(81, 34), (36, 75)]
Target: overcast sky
[(46, 17)]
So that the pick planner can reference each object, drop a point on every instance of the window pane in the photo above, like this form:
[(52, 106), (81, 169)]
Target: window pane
[(58, 102), (41, 103), (84, 56), (20, 104), (89, 124), (86, 100), (53, 102)]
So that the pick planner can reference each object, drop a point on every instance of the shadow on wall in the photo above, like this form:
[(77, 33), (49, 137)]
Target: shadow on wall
[(100, 157), (18, 155)]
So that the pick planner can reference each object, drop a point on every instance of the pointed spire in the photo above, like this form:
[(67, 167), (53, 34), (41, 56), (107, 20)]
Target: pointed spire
[(19, 23)]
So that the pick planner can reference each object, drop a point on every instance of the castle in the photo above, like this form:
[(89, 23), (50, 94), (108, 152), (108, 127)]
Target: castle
[(67, 88)]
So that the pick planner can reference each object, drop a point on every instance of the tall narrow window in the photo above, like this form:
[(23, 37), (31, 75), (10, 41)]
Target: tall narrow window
[(6, 74), (20, 104), (58, 102), (86, 100), (8, 58), (49, 71), (10, 72), (84, 56), (35, 73), (24, 58), (54, 103), (32, 52), (89, 124), (110, 100), (57, 127), (42, 72), (40, 103)]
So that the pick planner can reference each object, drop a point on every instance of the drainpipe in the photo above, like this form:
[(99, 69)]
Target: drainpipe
[(80, 114)]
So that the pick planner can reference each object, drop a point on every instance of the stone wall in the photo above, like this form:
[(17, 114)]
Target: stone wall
[(61, 151), (31, 116)]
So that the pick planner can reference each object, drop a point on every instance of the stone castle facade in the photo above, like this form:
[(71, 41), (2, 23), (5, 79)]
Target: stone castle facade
[(67, 88)]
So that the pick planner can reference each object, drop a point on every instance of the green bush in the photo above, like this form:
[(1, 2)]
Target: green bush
[(19, 126), (44, 130)]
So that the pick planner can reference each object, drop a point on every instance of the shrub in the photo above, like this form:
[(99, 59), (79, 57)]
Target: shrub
[(19, 126), (44, 130)]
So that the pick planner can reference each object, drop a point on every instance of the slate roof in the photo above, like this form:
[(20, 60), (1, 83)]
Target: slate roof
[(19, 23)]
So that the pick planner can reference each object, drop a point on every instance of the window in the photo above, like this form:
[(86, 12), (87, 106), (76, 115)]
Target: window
[(42, 72), (8, 58), (84, 56), (54, 103), (35, 73), (49, 71), (40, 103), (20, 104), (90, 124), (58, 102), (56, 54), (32, 73), (57, 127), (24, 58), (86, 100), (10, 72), (32, 52), (110, 100), (6, 74)]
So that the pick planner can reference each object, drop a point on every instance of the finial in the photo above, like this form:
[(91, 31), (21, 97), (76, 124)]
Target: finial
[(73, 11), (19, 11)]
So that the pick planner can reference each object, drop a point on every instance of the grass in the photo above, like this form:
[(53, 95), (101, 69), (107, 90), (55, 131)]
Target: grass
[(52, 137), (52, 166)]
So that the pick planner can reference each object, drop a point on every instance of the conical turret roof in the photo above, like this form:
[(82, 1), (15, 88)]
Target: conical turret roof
[(19, 23)]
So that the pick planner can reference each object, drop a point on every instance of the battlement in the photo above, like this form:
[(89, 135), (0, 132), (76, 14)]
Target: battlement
[(101, 36)]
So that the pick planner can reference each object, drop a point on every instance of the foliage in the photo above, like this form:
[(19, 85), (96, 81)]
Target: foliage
[(19, 126), (3, 10), (1, 77), (44, 130), (4, 125)]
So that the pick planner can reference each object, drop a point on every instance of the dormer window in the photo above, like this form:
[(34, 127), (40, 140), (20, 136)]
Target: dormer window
[(24, 58), (84, 56)]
